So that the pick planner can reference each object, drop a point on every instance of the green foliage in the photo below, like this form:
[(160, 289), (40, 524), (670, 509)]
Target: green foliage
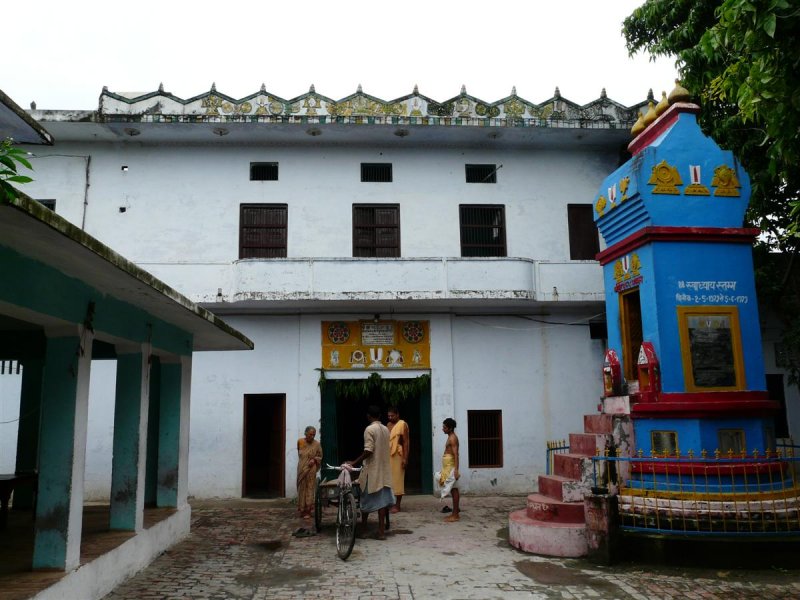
[(9, 157), (741, 60), (393, 392)]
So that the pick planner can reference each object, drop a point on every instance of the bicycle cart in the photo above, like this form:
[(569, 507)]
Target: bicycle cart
[(344, 494)]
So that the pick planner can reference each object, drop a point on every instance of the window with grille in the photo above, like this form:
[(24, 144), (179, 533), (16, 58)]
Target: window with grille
[(48, 203), (376, 172), (262, 230), (584, 243), (376, 230), (483, 230), (263, 171), (485, 438), (481, 173)]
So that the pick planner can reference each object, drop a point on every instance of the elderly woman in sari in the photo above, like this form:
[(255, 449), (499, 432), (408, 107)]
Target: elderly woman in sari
[(309, 452)]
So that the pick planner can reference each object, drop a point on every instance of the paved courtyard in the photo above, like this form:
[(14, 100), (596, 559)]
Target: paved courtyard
[(245, 550)]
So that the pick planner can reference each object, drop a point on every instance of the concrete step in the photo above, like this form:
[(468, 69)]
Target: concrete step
[(587, 443), (546, 537), (574, 466), (545, 508), (600, 423), (562, 488)]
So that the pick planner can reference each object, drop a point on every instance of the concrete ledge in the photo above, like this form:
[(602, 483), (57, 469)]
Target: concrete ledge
[(96, 579), (566, 540)]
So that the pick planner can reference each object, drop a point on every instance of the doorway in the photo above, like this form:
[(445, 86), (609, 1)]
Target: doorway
[(263, 465), (630, 314), (344, 420)]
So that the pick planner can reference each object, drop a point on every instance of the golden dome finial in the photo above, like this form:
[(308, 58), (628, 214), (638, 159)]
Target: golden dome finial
[(679, 94), (650, 115), (639, 126), (662, 105)]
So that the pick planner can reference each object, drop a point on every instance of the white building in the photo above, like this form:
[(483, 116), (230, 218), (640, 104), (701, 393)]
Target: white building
[(457, 234)]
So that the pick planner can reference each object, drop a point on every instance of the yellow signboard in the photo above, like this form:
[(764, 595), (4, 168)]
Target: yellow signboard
[(376, 345)]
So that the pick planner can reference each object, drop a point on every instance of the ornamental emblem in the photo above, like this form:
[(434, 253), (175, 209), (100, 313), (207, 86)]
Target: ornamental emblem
[(627, 267), (413, 332), (338, 332), (624, 184), (665, 177), (600, 205), (726, 182), (695, 188)]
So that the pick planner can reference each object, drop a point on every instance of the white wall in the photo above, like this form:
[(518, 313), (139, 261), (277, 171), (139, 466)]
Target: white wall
[(10, 387)]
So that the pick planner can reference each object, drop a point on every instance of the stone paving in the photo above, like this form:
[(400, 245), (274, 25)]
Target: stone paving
[(245, 550)]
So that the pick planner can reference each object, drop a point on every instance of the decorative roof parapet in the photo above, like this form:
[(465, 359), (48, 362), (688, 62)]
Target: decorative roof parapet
[(415, 108)]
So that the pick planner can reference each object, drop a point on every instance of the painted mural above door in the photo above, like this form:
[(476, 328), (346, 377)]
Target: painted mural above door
[(375, 345)]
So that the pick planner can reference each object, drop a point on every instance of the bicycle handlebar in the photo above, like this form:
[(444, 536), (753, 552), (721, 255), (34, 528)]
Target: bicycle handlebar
[(341, 467)]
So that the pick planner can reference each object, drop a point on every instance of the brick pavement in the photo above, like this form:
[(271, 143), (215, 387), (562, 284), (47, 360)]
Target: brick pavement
[(244, 550)]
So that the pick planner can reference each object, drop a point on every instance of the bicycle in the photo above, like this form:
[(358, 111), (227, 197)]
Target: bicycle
[(346, 512)]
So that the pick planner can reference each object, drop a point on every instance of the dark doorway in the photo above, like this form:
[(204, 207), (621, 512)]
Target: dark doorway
[(264, 442), (342, 432), (631, 319), (776, 393)]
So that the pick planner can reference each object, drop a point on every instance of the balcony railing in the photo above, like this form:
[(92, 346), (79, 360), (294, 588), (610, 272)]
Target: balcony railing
[(304, 279)]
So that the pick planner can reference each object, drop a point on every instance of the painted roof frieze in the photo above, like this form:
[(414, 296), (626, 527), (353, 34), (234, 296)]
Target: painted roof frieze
[(263, 106)]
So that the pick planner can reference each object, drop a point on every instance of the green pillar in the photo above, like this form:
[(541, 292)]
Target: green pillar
[(170, 419), (130, 441), (28, 433), (62, 455)]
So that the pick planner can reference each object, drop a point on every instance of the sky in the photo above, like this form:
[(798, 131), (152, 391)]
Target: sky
[(61, 53)]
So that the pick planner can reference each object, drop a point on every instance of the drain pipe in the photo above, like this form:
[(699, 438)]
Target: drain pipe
[(86, 192)]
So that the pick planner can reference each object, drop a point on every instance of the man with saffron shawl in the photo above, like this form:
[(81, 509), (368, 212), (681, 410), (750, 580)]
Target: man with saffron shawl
[(309, 452), (376, 476), (399, 447)]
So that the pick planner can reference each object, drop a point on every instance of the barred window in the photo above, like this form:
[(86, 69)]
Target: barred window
[(376, 230), (584, 243), (483, 230), (262, 230), (485, 438), (263, 171), (376, 172), (481, 173)]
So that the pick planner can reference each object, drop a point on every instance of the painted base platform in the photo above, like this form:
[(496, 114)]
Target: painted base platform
[(549, 538)]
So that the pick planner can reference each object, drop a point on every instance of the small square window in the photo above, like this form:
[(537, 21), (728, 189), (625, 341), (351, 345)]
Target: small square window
[(664, 442), (48, 203), (376, 172), (481, 173), (485, 438), (263, 171), (731, 440)]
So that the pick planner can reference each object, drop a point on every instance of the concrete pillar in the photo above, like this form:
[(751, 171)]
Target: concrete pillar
[(62, 455), (602, 528), (173, 433), (130, 440), (28, 433)]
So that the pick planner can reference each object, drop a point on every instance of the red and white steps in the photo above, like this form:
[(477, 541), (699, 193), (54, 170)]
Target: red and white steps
[(553, 522)]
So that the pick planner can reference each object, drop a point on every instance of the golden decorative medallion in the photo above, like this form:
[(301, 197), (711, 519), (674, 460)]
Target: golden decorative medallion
[(726, 182), (619, 272), (600, 205), (666, 179)]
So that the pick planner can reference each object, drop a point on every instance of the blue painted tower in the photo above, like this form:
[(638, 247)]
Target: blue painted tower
[(681, 304)]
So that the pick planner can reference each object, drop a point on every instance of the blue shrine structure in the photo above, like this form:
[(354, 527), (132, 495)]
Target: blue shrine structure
[(685, 353)]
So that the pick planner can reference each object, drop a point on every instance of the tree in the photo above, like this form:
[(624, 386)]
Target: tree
[(741, 60), (9, 157)]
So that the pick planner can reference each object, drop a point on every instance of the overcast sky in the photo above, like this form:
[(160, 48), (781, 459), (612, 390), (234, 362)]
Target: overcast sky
[(61, 53)]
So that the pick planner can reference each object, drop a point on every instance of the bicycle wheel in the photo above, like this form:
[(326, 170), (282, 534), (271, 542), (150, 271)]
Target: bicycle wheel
[(318, 509), (346, 525)]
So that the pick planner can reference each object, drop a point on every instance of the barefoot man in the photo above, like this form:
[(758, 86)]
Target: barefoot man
[(450, 465)]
